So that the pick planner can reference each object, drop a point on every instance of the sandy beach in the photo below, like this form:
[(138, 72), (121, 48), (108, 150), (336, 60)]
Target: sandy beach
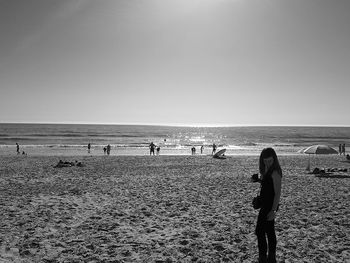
[(166, 209)]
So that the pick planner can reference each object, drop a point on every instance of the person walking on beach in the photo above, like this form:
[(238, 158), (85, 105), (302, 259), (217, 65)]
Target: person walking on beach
[(214, 149), (89, 147), (343, 148), (108, 149), (270, 192), (152, 146), (202, 148), (17, 147)]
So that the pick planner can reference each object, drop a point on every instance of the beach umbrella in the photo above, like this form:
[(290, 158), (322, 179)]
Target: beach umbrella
[(318, 149)]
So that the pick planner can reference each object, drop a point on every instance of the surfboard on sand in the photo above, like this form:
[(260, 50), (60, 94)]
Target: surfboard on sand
[(220, 154)]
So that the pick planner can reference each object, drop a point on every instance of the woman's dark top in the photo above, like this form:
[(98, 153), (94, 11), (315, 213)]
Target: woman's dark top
[(267, 191)]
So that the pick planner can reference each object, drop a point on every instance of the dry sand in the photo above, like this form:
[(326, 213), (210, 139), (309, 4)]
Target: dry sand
[(165, 209)]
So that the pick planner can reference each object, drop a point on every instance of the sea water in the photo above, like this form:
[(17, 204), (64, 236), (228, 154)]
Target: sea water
[(72, 139)]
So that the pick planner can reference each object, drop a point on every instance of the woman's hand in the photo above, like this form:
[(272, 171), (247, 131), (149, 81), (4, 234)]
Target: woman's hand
[(271, 215)]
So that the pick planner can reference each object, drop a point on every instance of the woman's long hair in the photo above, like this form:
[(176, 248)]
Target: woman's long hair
[(266, 153)]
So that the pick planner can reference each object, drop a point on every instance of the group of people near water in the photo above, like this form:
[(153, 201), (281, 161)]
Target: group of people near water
[(342, 149), (214, 147), (153, 147), (106, 149), (18, 151)]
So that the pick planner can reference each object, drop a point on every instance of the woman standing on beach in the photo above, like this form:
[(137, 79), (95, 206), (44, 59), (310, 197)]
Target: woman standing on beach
[(270, 192)]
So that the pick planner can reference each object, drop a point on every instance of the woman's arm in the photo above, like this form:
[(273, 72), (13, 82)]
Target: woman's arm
[(277, 182), (276, 178)]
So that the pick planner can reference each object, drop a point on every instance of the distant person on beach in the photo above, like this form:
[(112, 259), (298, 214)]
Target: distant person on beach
[(158, 150), (152, 146), (343, 148), (108, 149), (214, 149), (89, 147), (104, 150), (340, 149), (202, 148), (270, 192), (193, 150), (17, 147)]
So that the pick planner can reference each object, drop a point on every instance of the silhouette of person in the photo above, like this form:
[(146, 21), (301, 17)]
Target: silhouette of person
[(270, 191), (17, 147), (104, 150), (340, 149), (152, 146), (158, 150), (343, 148), (89, 147), (202, 148), (214, 149), (108, 149), (193, 150)]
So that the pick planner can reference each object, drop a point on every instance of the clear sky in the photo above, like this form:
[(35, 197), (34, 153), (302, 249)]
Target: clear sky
[(196, 62)]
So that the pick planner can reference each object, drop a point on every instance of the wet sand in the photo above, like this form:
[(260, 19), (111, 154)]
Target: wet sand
[(166, 209)]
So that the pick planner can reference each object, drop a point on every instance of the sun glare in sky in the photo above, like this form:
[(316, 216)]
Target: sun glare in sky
[(199, 62)]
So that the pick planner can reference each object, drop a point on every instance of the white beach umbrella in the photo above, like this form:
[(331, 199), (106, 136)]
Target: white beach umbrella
[(318, 149)]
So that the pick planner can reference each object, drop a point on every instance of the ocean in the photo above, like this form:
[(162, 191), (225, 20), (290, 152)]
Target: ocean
[(72, 139)]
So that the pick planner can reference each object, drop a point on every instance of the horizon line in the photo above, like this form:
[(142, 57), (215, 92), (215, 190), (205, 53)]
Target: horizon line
[(204, 125)]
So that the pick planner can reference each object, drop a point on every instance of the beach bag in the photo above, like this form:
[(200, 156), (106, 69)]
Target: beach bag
[(257, 203)]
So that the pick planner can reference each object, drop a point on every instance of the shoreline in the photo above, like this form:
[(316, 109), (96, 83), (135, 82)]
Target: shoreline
[(142, 151)]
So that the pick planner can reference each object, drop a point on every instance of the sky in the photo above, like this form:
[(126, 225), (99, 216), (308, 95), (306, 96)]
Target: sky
[(175, 62)]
